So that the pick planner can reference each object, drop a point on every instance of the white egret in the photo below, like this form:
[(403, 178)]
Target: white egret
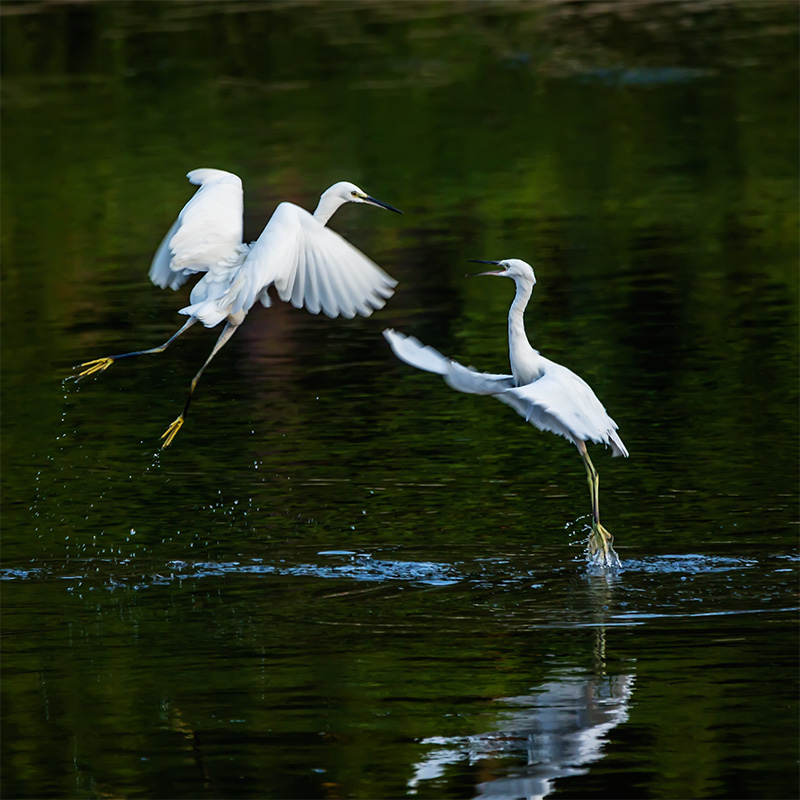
[(548, 395), (309, 264)]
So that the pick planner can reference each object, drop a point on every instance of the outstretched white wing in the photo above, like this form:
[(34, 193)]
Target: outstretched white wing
[(457, 376), (413, 352), (560, 401), (208, 230), (309, 265)]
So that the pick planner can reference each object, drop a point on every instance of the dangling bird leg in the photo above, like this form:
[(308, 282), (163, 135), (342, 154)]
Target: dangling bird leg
[(594, 482), (172, 431), (101, 364), (600, 540)]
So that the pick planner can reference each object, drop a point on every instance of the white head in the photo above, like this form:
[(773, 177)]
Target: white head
[(515, 268), (345, 192)]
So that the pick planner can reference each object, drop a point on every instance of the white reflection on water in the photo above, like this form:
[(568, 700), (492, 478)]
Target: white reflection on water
[(559, 729)]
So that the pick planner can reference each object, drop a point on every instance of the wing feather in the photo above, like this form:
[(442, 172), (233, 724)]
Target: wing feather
[(470, 381), (413, 352), (208, 230), (559, 402), (311, 300), (356, 289), (563, 403), (342, 297), (160, 272), (329, 297), (311, 266), (457, 376)]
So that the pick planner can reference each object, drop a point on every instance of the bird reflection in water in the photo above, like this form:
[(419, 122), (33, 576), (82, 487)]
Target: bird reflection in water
[(560, 728)]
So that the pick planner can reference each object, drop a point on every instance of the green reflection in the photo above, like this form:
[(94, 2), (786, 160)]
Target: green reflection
[(644, 159)]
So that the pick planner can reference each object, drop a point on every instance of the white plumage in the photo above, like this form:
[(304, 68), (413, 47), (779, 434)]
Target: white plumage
[(207, 234), (558, 401), (309, 265), (546, 394)]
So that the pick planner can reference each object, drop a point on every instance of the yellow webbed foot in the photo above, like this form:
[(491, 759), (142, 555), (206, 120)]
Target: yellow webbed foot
[(171, 432), (98, 365), (601, 550)]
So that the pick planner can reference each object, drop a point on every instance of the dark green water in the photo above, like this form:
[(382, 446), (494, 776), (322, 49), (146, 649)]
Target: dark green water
[(344, 579)]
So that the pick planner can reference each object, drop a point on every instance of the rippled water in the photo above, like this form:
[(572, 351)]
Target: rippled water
[(344, 579), (516, 675)]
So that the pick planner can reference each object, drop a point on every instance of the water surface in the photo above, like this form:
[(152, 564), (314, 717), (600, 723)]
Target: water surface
[(344, 579)]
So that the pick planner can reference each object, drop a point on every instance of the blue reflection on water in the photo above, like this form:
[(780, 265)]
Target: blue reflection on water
[(351, 565), (360, 567), (643, 76)]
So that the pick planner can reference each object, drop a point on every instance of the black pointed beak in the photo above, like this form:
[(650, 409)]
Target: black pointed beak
[(482, 261), (373, 202)]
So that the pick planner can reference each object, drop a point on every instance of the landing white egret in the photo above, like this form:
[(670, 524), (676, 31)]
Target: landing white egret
[(309, 265), (548, 395)]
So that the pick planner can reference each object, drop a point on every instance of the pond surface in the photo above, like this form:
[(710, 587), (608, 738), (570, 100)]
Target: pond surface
[(344, 579)]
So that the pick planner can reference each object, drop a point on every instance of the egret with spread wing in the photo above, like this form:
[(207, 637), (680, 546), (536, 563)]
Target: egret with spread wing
[(548, 395), (309, 265)]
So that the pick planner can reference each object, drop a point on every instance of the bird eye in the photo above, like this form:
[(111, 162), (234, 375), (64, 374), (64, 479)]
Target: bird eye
[(354, 193)]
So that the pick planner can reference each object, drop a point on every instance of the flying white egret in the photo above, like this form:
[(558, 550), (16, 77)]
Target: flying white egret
[(308, 264), (549, 396)]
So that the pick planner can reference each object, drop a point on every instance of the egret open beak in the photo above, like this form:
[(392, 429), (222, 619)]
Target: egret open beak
[(373, 202), (498, 272)]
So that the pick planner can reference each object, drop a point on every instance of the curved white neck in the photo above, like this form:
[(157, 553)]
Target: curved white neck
[(327, 206), (526, 363)]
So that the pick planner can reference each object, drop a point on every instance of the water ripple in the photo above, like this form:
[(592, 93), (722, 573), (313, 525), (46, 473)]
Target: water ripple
[(361, 567), (688, 564)]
